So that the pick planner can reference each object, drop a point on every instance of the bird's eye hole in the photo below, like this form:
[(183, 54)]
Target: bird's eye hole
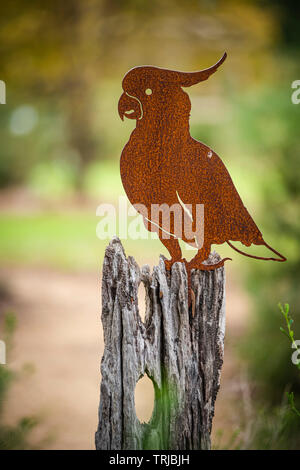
[(148, 91)]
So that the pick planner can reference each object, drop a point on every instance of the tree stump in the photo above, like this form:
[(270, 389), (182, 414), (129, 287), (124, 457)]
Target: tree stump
[(182, 354)]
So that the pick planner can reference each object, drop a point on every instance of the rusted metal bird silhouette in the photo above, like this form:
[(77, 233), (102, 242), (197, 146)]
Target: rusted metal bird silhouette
[(163, 166)]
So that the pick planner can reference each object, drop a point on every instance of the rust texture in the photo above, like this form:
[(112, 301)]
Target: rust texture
[(182, 356), (163, 164)]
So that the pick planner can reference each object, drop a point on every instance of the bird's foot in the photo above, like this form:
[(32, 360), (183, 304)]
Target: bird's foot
[(169, 262)]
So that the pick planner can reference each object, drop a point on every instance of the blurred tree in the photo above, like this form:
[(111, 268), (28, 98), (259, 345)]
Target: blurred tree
[(287, 13), (48, 54)]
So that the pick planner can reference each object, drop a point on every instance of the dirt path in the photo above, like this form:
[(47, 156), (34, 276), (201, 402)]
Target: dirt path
[(59, 332)]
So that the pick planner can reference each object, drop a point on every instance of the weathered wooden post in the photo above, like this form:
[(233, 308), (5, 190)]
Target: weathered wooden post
[(182, 354)]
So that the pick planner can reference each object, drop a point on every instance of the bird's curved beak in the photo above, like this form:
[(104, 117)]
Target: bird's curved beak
[(130, 107)]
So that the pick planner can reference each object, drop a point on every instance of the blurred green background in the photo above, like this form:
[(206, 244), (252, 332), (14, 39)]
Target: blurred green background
[(61, 139)]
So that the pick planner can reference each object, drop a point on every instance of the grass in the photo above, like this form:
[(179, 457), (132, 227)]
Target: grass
[(68, 241)]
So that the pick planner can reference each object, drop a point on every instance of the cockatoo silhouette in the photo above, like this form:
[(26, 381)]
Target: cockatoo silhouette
[(163, 166)]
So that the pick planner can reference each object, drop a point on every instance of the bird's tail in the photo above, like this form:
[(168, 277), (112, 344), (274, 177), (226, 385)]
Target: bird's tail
[(281, 258)]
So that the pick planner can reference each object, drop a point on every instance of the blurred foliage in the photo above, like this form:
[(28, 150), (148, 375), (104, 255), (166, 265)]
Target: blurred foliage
[(275, 428), (65, 241), (271, 427), (266, 353), (157, 435)]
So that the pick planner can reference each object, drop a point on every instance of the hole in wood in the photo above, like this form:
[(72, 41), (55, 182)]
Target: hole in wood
[(142, 301), (144, 399)]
